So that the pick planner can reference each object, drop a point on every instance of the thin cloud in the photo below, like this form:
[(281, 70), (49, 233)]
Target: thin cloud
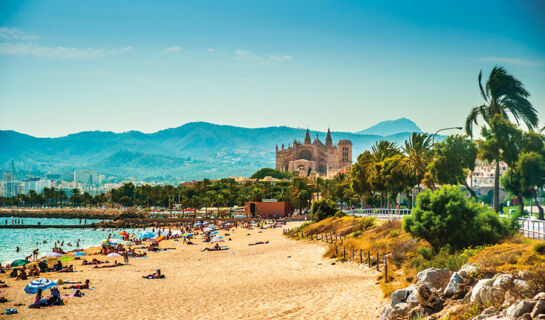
[(241, 54), (515, 61), (15, 34), (26, 49), (211, 50), (172, 50)]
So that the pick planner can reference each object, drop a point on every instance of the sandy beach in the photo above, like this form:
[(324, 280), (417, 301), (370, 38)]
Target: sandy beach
[(284, 279)]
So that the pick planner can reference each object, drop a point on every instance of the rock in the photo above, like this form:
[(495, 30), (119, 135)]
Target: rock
[(412, 299), (399, 311), (401, 295), (520, 308), (385, 315), (468, 270), (521, 286), (525, 316), (453, 284), (539, 308), (476, 291), (434, 278), (417, 313), (428, 298), (540, 296), (491, 295), (540, 317), (503, 281)]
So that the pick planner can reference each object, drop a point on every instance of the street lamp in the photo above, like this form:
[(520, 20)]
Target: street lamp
[(436, 132)]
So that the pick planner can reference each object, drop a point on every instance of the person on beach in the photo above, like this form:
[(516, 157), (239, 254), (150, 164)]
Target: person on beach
[(126, 257), (37, 300), (34, 271), (80, 286), (155, 275), (23, 275)]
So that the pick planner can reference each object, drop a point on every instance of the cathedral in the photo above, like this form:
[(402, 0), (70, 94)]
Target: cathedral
[(315, 158)]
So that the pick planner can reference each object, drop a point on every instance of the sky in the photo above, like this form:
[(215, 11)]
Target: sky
[(71, 66)]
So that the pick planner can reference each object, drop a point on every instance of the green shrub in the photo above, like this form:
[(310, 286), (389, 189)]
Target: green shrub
[(425, 252), (447, 218), (366, 223), (340, 214), (304, 225), (356, 234), (540, 248), (394, 233), (322, 209)]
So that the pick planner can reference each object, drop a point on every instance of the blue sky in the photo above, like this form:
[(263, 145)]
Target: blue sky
[(70, 66)]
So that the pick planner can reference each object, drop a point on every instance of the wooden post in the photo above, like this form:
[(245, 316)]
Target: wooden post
[(352, 254), (344, 253), (336, 250), (361, 257), (385, 269), (378, 262), (369, 258)]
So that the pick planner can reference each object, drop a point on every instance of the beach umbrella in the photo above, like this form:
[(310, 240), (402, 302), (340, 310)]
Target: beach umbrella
[(127, 243), (213, 233), (38, 284), (187, 235), (106, 244), (206, 222), (115, 241), (113, 254), (123, 234), (54, 255), (79, 254), (66, 259), (217, 240), (207, 229), (19, 263), (161, 238), (147, 234), (197, 224)]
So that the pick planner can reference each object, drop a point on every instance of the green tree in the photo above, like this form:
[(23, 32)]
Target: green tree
[(417, 149), (269, 172), (322, 209), (505, 96), (446, 218)]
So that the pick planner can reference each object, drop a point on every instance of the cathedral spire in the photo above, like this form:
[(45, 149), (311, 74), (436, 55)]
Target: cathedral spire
[(307, 138), (328, 140)]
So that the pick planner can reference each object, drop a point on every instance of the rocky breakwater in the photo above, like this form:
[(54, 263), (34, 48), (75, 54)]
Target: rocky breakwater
[(465, 294)]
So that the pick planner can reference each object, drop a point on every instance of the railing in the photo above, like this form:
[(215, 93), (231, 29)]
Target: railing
[(380, 213), (531, 228)]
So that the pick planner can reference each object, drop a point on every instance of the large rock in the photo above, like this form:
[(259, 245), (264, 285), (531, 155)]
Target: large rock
[(540, 296), (385, 315), (467, 270), (476, 292), (521, 286), (401, 295), (453, 284), (412, 299), (491, 295), (399, 311), (539, 308), (503, 281), (434, 278), (429, 299), (520, 308)]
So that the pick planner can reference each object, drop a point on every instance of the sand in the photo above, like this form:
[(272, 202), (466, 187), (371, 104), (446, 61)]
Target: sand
[(284, 279)]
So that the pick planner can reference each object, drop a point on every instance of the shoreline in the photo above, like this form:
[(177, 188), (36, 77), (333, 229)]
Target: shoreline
[(279, 280)]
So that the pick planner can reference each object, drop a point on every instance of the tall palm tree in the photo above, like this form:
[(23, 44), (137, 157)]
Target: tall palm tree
[(417, 149), (503, 95)]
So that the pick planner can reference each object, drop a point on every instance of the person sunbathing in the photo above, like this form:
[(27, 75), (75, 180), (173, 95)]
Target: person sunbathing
[(116, 264), (79, 286), (67, 269), (215, 248), (259, 242), (22, 275), (34, 271), (155, 275)]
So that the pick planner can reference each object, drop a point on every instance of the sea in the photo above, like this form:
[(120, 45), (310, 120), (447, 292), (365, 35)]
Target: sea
[(43, 239)]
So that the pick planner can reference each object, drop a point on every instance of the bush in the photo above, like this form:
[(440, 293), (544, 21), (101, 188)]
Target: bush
[(540, 248), (394, 233), (304, 225), (447, 218), (340, 214), (322, 209)]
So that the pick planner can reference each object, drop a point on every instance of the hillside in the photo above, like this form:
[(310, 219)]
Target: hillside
[(390, 127), (191, 151)]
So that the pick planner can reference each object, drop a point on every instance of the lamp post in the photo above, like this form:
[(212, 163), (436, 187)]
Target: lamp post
[(436, 132)]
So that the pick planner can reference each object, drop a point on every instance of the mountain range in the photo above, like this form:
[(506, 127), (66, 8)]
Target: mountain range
[(191, 151)]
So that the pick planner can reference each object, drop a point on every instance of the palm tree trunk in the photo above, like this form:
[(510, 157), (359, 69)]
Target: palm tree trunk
[(520, 200), (540, 214), (497, 187), (471, 191)]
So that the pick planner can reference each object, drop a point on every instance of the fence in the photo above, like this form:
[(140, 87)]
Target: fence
[(380, 213), (531, 228), (348, 255)]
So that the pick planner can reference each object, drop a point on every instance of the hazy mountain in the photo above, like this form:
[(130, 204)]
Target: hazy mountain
[(390, 127), (191, 151)]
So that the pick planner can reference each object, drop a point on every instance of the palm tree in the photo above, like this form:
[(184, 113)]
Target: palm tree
[(417, 150), (503, 95)]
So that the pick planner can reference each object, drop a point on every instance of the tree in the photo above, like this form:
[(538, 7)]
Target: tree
[(531, 166), (453, 161), (446, 218), (322, 209), (417, 150), (269, 172), (300, 193), (504, 96)]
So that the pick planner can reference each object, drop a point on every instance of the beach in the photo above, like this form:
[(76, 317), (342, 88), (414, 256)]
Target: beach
[(283, 279)]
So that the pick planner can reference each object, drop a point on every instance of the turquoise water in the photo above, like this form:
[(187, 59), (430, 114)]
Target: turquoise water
[(44, 239), (45, 221)]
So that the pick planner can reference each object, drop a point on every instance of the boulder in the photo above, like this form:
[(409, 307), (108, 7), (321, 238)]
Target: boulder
[(539, 308), (476, 291), (491, 295), (468, 269), (418, 312), (503, 281), (434, 278), (385, 315), (525, 316), (429, 299), (540, 296), (453, 284), (520, 308), (540, 317), (521, 286), (412, 299), (401, 295), (399, 311)]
